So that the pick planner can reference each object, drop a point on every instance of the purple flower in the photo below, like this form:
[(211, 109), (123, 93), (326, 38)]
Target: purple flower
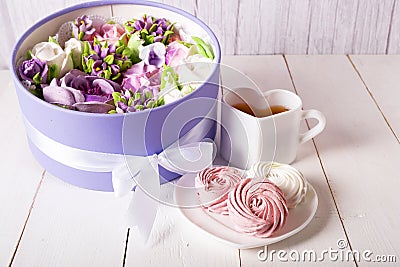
[(78, 91), (151, 30), (105, 62), (34, 70), (83, 28), (129, 101), (153, 54), (94, 88)]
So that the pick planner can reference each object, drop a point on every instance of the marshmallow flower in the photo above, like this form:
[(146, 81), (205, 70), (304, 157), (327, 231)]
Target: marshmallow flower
[(258, 209), (53, 54), (287, 178), (213, 186)]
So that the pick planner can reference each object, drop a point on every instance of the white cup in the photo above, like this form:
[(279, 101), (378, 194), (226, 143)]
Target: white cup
[(247, 139)]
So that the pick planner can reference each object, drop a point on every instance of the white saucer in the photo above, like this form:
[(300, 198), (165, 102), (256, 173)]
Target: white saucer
[(220, 227)]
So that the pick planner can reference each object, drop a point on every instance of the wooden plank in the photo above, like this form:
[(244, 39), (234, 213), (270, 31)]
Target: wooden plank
[(225, 11), (372, 26), (322, 26), (323, 232), (357, 149), (20, 174), (393, 44), (70, 226), (176, 242), (380, 74), (345, 19)]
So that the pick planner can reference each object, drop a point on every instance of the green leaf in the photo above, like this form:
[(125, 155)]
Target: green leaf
[(116, 77), (169, 76), (37, 78), (81, 35), (37, 92), (128, 27), (28, 54), (203, 48), (86, 48), (117, 98), (130, 102), (120, 49), (139, 107), (106, 74), (123, 100), (113, 111), (52, 40), (148, 95), (52, 72), (160, 102), (137, 96), (109, 59), (188, 45), (152, 28), (151, 104)]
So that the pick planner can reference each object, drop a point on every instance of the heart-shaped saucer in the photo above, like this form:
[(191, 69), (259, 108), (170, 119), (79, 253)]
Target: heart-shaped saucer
[(219, 226)]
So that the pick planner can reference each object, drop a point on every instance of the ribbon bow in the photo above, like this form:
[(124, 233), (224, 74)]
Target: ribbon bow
[(142, 172), (129, 171)]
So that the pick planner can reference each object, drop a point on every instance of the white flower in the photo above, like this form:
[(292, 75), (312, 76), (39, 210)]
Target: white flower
[(52, 53), (153, 54), (196, 68), (74, 47)]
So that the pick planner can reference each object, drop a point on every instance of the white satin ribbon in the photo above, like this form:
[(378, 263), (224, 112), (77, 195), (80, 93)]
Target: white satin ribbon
[(129, 171)]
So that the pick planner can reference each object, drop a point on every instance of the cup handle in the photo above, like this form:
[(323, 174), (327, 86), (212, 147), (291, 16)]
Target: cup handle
[(312, 114)]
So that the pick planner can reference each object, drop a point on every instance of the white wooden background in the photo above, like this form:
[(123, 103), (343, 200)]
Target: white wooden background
[(256, 26)]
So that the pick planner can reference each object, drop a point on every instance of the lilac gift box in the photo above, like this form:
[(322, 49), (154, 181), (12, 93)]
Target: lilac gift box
[(141, 133)]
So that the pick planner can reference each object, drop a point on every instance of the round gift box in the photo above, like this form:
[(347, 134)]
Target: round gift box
[(105, 132)]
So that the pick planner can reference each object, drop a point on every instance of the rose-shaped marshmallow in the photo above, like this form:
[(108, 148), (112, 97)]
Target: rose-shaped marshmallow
[(213, 186), (176, 53), (85, 93), (74, 48), (110, 33), (53, 54), (257, 208), (287, 178), (33, 70)]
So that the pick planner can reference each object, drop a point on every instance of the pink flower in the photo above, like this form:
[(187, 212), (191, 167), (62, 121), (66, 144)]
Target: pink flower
[(140, 75), (110, 33), (214, 185), (176, 53)]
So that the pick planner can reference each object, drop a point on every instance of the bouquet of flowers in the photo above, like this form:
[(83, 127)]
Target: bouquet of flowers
[(115, 66)]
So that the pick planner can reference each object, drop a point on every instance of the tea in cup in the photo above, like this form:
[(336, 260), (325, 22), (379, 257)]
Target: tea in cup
[(264, 126)]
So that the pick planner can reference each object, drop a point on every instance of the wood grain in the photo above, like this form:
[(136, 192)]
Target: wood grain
[(257, 26), (175, 241), (364, 178), (380, 75), (20, 174), (71, 226)]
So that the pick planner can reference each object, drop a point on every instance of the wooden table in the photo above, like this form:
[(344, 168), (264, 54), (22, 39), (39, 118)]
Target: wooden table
[(353, 165)]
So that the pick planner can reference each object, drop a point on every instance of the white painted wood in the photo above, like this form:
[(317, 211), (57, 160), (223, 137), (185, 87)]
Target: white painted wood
[(372, 26), (358, 151), (394, 38), (71, 226), (270, 72), (20, 174), (381, 75), (322, 26), (257, 26), (221, 17), (175, 241)]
